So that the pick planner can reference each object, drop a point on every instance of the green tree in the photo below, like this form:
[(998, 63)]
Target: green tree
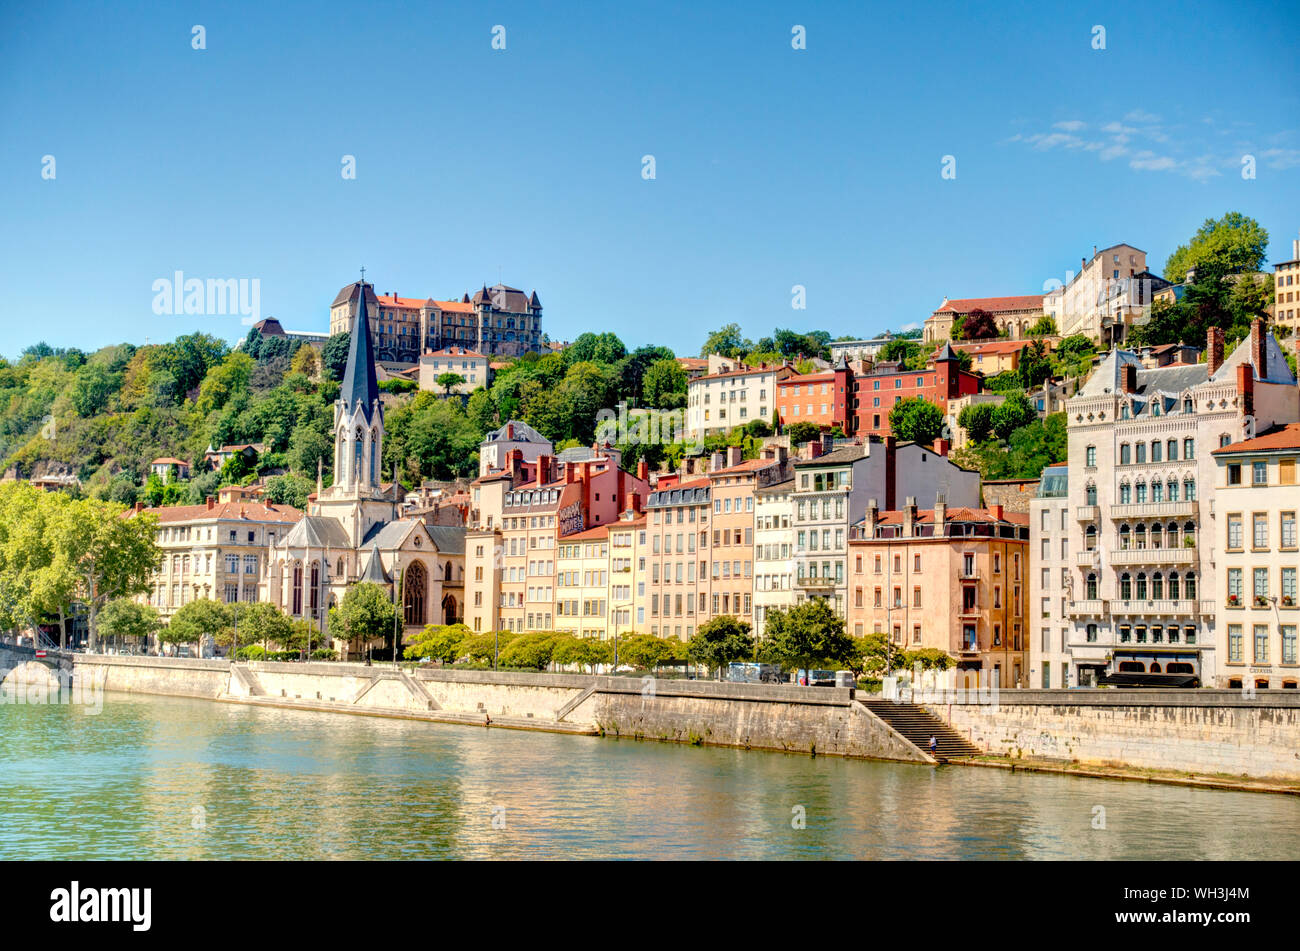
[(195, 620), (801, 433), (596, 348), (124, 617), (289, 490), (260, 623), (661, 379), (366, 614), (727, 341), (1015, 411), (1235, 244), (1035, 365), (806, 636), (917, 419), (529, 650), (977, 420), (334, 355), (581, 652), (1044, 327), (645, 650), (449, 380), (877, 655), (719, 641), (442, 642)]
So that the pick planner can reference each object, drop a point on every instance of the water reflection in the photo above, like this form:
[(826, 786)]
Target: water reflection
[(158, 777)]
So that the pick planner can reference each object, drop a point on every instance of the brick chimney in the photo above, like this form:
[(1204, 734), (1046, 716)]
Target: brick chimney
[(717, 460), (1214, 349), (1246, 388), (996, 511), (891, 471), (1128, 375), (642, 470), (814, 448), (545, 466), (869, 523), (941, 446), (212, 503), (1258, 349), (909, 517), (940, 515), (139, 506), (510, 431), (634, 502), (735, 455)]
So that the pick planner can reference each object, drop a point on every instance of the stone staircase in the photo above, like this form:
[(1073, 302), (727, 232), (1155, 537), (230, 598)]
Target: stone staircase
[(917, 725)]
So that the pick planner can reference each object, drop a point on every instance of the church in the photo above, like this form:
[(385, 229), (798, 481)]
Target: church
[(352, 531)]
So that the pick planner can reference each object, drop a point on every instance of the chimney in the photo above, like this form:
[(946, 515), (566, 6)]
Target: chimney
[(1129, 377), (940, 515), (516, 465), (814, 448), (634, 502), (569, 468), (1259, 348), (1246, 388), (1214, 349), (717, 460), (1083, 263), (544, 466), (642, 470), (212, 503), (873, 515), (996, 511), (909, 517), (891, 472), (510, 431), (828, 443), (735, 455), (941, 447), (139, 506)]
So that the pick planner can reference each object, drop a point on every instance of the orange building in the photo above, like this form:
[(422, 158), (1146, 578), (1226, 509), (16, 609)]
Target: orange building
[(952, 579)]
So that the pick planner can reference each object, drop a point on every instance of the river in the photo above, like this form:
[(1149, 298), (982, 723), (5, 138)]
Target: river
[(164, 778)]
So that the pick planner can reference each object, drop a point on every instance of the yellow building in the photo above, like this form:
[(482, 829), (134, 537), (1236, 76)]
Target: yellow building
[(582, 586)]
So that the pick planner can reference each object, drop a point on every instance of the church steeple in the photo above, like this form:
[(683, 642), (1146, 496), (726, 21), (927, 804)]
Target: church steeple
[(360, 388)]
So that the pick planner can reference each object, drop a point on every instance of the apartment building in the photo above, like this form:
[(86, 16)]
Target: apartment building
[(1051, 581), (627, 539), (1256, 603), (520, 515), (722, 400), (496, 447), (1014, 315), (947, 578), (860, 349), (582, 583), (831, 493), (1143, 541), (676, 597), (471, 366), (497, 320), (773, 550), (217, 550), (1112, 291), (734, 484), (1286, 295)]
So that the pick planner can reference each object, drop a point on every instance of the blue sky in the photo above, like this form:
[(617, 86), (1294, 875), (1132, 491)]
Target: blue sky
[(774, 167)]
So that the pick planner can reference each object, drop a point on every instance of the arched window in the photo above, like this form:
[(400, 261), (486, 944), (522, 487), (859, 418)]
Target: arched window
[(1092, 587), (1142, 586), (415, 583), (1125, 493), (1171, 488), (1125, 587), (1156, 451), (358, 463), (1171, 449), (313, 598), (340, 568), (374, 457), (1091, 493), (1188, 407), (446, 572), (1125, 454), (1141, 453), (297, 589), (1157, 491), (1125, 538), (1141, 495), (1173, 586), (1189, 587), (1157, 536), (1189, 490), (1090, 538), (1157, 587), (1189, 532), (1140, 538)]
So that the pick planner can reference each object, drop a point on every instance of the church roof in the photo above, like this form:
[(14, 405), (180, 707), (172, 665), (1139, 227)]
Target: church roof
[(317, 531), (374, 572), (360, 388), (450, 539)]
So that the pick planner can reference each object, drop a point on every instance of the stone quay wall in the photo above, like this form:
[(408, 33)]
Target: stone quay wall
[(1201, 731)]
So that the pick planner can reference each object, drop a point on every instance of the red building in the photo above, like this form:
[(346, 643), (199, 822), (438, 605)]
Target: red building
[(859, 402)]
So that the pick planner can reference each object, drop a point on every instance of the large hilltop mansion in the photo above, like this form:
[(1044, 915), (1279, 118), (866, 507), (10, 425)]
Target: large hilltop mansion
[(495, 321)]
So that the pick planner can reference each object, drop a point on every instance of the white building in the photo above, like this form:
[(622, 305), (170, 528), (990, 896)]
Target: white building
[(1256, 603), (724, 400), (1050, 581), (1140, 488), (773, 554), (1111, 292), (471, 366), (495, 449)]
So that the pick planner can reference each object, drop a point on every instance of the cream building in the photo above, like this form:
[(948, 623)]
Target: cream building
[(582, 583), (470, 365), (1112, 291), (1256, 603), (1050, 581), (216, 550), (720, 401), (773, 551), (1286, 296), (1141, 472)]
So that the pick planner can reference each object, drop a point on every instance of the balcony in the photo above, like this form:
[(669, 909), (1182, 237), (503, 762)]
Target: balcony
[(807, 581), (1086, 513), (1152, 556), (1086, 609), (1182, 509), (1182, 608), (1086, 559)]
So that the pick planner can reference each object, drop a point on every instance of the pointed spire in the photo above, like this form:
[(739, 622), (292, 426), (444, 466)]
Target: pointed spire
[(374, 572), (947, 353), (360, 388)]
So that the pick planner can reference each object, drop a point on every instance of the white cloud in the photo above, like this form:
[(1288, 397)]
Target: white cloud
[(1148, 161), (1137, 115), (1073, 125)]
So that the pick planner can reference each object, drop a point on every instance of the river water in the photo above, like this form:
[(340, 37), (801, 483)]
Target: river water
[(154, 777)]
